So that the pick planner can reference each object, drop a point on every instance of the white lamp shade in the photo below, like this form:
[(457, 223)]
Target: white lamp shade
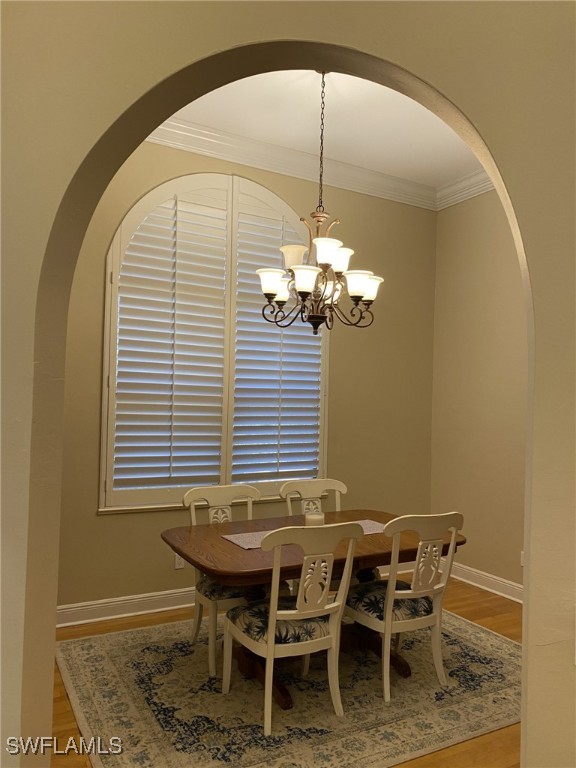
[(373, 285), (326, 248), (305, 277), (270, 280), (293, 254), (342, 259), (357, 282), (283, 292)]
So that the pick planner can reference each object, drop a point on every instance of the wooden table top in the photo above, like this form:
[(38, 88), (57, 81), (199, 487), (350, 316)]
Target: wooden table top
[(204, 547)]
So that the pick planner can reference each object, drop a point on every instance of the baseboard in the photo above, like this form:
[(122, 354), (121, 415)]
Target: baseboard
[(486, 581), (499, 586), (131, 605)]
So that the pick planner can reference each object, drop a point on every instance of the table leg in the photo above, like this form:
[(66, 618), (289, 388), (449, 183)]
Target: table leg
[(355, 636)]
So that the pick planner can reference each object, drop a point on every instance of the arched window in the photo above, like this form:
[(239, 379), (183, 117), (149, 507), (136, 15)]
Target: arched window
[(199, 388)]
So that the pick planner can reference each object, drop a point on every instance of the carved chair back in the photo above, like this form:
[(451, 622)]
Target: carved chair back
[(314, 597), (309, 493), (220, 499)]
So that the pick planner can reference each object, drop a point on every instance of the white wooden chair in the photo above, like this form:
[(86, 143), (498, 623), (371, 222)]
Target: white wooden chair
[(301, 624), (309, 494), (394, 606), (210, 594)]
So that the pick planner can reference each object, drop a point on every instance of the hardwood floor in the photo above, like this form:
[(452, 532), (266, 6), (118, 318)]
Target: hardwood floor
[(500, 749)]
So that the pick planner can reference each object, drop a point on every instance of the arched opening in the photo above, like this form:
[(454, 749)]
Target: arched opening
[(82, 197)]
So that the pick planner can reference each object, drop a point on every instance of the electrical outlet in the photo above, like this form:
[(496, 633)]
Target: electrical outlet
[(179, 562), (522, 558)]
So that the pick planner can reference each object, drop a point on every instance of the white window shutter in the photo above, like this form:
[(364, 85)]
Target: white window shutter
[(199, 358), (202, 389), (170, 349), (144, 359), (276, 433)]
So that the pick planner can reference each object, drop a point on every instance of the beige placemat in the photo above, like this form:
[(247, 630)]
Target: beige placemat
[(253, 539)]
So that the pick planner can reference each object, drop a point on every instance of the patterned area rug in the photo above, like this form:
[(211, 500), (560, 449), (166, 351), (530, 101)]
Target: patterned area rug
[(150, 688)]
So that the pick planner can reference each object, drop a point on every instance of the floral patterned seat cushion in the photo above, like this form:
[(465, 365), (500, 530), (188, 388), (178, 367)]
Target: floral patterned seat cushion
[(213, 590), (252, 619), (369, 598)]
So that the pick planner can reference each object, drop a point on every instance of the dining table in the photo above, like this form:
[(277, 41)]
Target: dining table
[(230, 553)]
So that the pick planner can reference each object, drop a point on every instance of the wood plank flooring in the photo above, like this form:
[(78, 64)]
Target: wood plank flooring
[(500, 749)]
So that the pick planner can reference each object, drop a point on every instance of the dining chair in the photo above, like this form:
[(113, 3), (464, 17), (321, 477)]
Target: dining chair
[(397, 605), (210, 594), (309, 494), (301, 624)]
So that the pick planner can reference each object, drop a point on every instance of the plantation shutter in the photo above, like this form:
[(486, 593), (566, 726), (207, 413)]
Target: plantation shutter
[(202, 390), (171, 351), (276, 422)]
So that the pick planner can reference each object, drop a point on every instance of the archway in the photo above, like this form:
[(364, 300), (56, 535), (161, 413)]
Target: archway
[(72, 221)]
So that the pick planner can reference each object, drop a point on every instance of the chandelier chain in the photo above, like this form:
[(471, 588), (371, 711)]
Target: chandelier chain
[(320, 207)]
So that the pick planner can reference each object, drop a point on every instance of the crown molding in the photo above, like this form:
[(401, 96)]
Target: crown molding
[(468, 186), (180, 134)]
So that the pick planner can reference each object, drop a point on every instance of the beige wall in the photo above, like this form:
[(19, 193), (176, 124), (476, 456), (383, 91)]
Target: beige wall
[(386, 429), (466, 313), (84, 83), (381, 377), (479, 408)]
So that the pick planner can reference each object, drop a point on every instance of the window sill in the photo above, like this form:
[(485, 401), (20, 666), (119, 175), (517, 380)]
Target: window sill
[(127, 509)]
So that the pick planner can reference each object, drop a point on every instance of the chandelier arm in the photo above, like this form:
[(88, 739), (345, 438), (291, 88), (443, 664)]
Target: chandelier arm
[(327, 308), (279, 317), (286, 324), (320, 289), (329, 227), (329, 312), (311, 235), (359, 317), (307, 308)]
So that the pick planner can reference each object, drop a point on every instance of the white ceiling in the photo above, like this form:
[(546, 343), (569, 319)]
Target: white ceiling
[(376, 141)]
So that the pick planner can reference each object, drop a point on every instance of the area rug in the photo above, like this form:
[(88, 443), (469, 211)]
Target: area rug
[(150, 689)]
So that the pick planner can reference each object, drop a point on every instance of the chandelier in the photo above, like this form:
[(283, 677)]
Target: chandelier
[(319, 289)]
